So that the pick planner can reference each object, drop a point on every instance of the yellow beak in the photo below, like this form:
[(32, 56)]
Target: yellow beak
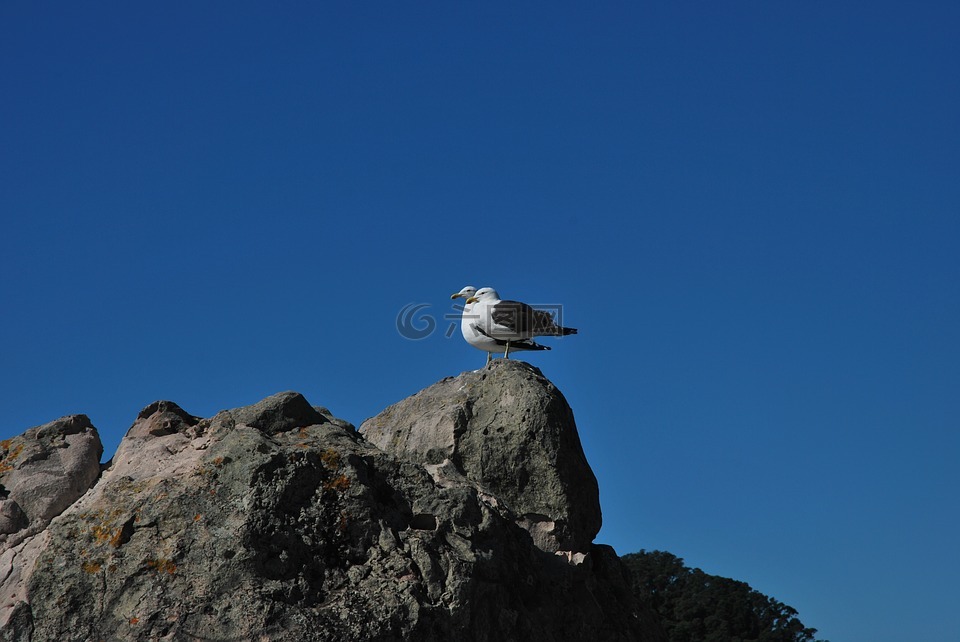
[(472, 299)]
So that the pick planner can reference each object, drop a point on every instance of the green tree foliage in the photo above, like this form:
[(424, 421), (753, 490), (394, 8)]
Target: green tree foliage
[(696, 607)]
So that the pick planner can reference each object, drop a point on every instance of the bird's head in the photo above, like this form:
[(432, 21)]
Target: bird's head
[(467, 292), (484, 294)]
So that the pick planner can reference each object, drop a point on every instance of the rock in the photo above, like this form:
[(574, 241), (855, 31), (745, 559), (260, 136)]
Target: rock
[(509, 430), (279, 521), (49, 467), (279, 413), (163, 418), (42, 473), (12, 517)]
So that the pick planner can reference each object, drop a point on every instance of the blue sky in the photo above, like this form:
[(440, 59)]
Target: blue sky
[(750, 210)]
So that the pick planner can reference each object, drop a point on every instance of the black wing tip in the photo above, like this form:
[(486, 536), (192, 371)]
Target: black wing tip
[(530, 345)]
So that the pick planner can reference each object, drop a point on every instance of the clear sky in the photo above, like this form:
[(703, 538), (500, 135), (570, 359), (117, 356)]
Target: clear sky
[(751, 211)]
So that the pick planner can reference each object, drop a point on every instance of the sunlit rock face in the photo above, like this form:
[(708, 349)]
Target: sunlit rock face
[(465, 512), (510, 431)]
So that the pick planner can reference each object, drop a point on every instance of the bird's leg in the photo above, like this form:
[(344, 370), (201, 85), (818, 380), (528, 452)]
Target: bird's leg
[(506, 353), (489, 357)]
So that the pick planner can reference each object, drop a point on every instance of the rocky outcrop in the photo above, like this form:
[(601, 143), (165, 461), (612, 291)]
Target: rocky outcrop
[(44, 470), (511, 432), (280, 522)]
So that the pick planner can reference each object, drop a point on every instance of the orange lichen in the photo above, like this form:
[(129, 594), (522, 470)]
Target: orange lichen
[(91, 567), (339, 483), (197, 517), (330, 458), (117, 540), (107, 535), (101, 533), (7, 463), (134, 620), (162, 566)]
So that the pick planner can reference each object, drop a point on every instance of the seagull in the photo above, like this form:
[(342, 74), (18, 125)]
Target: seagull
[(511, 321), (479, 340)]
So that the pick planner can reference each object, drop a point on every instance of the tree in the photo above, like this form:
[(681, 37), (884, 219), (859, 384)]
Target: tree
[(696, 607)]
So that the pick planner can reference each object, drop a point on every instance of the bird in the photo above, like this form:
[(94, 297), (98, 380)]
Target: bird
[(511, 321), (479, 340)]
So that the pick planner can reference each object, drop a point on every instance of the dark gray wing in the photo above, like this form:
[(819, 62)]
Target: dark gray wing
[(518, 317), (524, 319)]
